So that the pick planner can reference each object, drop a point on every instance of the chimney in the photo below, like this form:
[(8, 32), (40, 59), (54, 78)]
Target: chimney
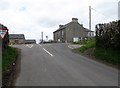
[(81, 25), (74, 19), (61, 26)]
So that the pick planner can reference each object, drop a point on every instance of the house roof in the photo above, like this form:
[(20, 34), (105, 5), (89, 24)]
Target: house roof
[(87, 30), (16, 36), (60, 28), (64, 26)]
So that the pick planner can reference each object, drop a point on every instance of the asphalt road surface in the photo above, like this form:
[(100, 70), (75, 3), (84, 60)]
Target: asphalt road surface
[(57, 65)]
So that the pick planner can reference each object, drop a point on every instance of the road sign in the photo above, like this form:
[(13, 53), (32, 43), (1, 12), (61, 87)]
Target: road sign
[(3, 33)]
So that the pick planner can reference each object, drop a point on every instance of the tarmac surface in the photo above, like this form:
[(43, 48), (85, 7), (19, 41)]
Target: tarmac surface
[(57, 65)]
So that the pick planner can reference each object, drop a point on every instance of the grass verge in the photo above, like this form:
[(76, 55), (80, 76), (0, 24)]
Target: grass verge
[(90, 43), (108, 55), (8, 56)]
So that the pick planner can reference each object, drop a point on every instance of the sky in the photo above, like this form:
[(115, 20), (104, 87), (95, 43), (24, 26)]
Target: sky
[(31, 17)]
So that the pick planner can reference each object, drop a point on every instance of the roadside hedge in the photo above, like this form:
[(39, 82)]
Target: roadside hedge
[(108, 35)]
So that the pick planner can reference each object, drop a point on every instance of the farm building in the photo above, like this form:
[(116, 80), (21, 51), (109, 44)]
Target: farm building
[(30, 41), (16, 39)]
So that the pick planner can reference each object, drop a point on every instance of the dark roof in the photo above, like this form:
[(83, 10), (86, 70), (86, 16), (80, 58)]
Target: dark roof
[(64, 26), (60, 28), (87, 30), (16, 36)]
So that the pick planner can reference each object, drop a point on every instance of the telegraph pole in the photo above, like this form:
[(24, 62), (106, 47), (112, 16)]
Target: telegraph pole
[(90, 19)]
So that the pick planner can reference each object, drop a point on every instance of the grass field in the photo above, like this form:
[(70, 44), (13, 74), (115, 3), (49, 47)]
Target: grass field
[(8, 56)]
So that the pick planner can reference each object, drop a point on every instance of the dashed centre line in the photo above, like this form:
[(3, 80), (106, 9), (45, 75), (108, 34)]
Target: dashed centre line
[(47, 52), (39, 44)]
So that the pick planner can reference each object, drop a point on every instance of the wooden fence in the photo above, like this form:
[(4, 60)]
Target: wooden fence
[(108, 35)]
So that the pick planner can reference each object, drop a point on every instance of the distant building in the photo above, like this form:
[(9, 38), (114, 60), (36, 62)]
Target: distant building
[(119, 10), (30, 41), (16, 39), (71, 31)]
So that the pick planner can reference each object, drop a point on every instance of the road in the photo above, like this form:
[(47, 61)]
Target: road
[(57, 65)]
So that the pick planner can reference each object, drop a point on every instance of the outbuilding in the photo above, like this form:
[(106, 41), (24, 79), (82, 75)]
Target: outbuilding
[(16, 39), (30, 41)]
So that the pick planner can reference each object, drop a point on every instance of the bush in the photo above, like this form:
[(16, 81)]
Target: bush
[(108, 35)]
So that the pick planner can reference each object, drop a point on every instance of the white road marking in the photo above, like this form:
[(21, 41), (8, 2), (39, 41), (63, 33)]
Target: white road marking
[(74, 46), (70, 47), (47, 52), (30, 46), (39, 44)]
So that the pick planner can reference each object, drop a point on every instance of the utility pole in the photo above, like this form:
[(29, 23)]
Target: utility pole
[(42, 36), (90, 19)]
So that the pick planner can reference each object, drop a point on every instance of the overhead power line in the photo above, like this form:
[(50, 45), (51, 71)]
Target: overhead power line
[(101, 13)]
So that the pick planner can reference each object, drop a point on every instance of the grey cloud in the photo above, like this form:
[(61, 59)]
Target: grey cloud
[(46, 22), (25, 16)]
